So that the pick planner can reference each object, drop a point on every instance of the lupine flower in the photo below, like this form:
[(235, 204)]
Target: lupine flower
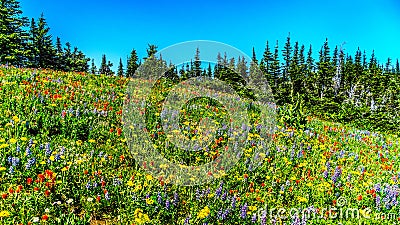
[(88, 185), (243, 211), (337, 174), (48, 150), (167, 204), (159, 198), (30, 163), (254, 218), (176, 199)]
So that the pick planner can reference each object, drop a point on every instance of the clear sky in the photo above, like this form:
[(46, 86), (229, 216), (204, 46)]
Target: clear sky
[(114, 27)]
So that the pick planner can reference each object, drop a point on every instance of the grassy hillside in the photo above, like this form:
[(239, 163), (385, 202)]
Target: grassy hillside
[(64, 160)]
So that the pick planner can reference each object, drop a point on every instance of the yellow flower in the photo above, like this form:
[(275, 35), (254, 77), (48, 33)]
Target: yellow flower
[(302, 199), (53, 105), (252, 208), (3, 146), (52, 158), (79, 142), (2, 168), (64, 169), (4, 214), (23, 138), (149, 201), (149, 177), (130, 183), (141, 217), (13, 140), (92, 141), (16, 119), (203, 213), (2, 140)]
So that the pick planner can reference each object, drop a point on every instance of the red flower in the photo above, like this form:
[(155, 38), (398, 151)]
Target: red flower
[(98, 198), (36, 189), (47, 193), (4, 196), (262, 185), (111, 130), (29, 181), (11, 190), (45, 217), (119, 131), (359, 198), (49, 174), (41, 177)]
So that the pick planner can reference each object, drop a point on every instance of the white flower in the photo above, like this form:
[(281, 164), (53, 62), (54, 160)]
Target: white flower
[(69, 201), (89, 199), (47, 210), (57, 203), (35, 219)]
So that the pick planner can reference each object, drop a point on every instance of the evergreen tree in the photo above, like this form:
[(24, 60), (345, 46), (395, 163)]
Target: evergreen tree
[(388, 65), (93, 68), (397, 67), (132, 64), (13, 38), (197, 63), (59, 55), (266, 61), (286, 53), (120, 71), (46, 53), (209, 71), (151, 50)]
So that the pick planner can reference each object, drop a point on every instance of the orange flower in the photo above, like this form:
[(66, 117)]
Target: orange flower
[(359, 198)]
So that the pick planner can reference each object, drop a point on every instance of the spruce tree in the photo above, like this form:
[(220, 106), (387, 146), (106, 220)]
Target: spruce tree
[(132, 64), (197, 63), (120, 71), (93, 68), (13, 38), (44, 45)]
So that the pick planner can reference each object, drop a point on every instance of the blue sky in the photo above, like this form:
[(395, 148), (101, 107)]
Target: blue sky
[(115, 27)]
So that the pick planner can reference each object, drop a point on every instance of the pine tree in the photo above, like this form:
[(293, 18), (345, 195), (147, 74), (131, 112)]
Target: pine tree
[(13, 38), (132, 64), (266, 61), (60, 61), (388, 65), (397, 67), (151, 50), (120, 72), (286, 53), (93, 68), (197, 63), (103, 66), (209, 71), (43, 43)]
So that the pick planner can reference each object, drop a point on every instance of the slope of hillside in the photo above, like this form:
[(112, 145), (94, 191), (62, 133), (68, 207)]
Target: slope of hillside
[(64, 160)]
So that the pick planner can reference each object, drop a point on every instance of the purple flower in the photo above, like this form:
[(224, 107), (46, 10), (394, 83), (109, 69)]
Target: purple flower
[(243, 211), (159, 198), (254, 218), (176, 199)]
